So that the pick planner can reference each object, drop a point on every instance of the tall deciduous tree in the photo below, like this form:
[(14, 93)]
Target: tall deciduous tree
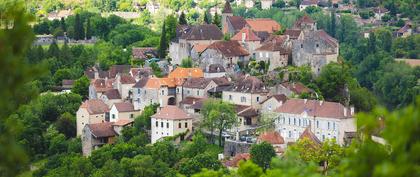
[(171, 23), (262, 153), (182, 20), (81, 87), (163, 42)]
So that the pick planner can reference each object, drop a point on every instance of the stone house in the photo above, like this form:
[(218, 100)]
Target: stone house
[(200, 87), (306, 3), (380, 12), (214, 70), (246, 91), (328, 120), (248, 39), (110, 97), (266, 4), (91, 112), (275, 139), (273, 102), (170, 121), (124, 83), (227, 53), (291, 89), (316, 48), (138, 73), (99, 86), (190, 36), (123, 111), (405, 31), (97, 135), (139, 91), (143, 53), (275, 51), (96, 73)]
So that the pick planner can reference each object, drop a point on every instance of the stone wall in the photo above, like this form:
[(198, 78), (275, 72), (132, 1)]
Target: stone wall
[(231, 148)]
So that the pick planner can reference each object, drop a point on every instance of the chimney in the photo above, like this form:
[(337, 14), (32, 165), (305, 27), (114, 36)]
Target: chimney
[(243, 37), (96, 74)]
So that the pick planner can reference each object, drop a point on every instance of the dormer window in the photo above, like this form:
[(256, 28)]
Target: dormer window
[(301, 46)]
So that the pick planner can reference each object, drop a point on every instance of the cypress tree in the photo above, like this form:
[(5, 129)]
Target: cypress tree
[(53, 50), (217, 21), (182, 20), (63, 24), (207, 18), (78, 28), (333, 24), (88, 29), (372, 42), (40, 53), (163, 42)]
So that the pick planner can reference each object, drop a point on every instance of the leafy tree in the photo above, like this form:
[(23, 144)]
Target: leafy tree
[(384, 39), (89, 31), (63, 24), (156, 69), (56, 141), (163, 42), (195, 164), (182, 20), (53, 50), (166, 152), (217, 20), (207, 17), (112, 168), (362, 99), (279, 4), (262, 153), (372, 42), (249, 169), (171, 23), (66, 125), (218, 115), (197, 146), (144, 165), (187, 62), (81, 87)]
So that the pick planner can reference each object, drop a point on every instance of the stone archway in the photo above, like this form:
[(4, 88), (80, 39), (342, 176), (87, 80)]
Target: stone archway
[(171, 101)]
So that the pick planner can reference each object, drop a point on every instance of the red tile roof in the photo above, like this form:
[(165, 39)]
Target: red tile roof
[(144, 52), (180, 72), (238, 157), (327, 38), (203, 32), (272, 137), (95, 106), (276, 43), (249, 35), (278, 97), (249, 84), (127, 79), (292, 33), (237, 22), (296, 87), (264, 24), (123, 122), (315, 108), (115, 69), (310, 135), (102, 130), (227, 8), (229, 48), (303, 20), (124, 107), (112, 94), (199, 83), (172, 113)]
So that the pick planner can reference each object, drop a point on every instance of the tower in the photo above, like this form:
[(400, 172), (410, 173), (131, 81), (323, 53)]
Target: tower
[(227, 12)]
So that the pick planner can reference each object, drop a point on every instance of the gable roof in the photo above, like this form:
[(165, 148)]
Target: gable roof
[(172, 113), (124, 107), (221, 81), (309, 135), (278, 97), (203, 32), (263, 24), (303, 20), (249, 35), (141, 72), (292, 33), (180, 72), (143, 52), (102, 130), (112, 94), (272, 137), (315, 108), (276, 43), (156, 83), (237, 22), (405, 28), (127, 79), (327, 38), (200, 47), (229, 48), (296, 87), (238, 157), (249, 84), (215, 68), (95, 106), (199, 83), (141, 83), (115, 69), (227, 8), (90, 73)]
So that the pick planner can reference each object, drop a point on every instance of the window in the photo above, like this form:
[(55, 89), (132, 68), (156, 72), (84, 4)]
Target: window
[(138, 91), (290, 134), (163, 92), (317, 45), (113, 116), (294, 121), (323, 137), (179, 125), (198, 92), (186, 124), (167, 124), (266, 54), (177, 90), (157, 124), (258, 100), (289, 120), (243, 99), (299, 123), (317, 124), (131, 115), (161, 124), (301, 45), (230, 97), (261, 54), (188, 91), (328, 125)]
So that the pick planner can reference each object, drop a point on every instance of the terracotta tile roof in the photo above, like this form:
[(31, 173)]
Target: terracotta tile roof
[(115, 69), (249, 35), (200, 83), (249, 84), (263, 24), (276, 43), (141, 83), (102, 130), (144, 52), (127, 79), (198, 103), (101, 85), (123, 122), (221, 81), (238, 157), (112, 94), (203, 32), (292, 33), (315, 108), (186, 73), (248, 112), (272, 137), (404, 29), (200, 47), (124, 107), (189, 100), (296, 87), (90, 73), (310, 135), (327, 38), (237, 22), (172, 113), (229, 48), (215, 68), (155, 83), (227, 8), (95, 106), (279, 97), (303, 20), (141, 72), (180, 31)]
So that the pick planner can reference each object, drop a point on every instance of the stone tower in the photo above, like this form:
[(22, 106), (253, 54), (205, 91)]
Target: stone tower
[(227, 12)]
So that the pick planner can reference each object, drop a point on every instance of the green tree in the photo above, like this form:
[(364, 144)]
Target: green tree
[(66, 125), (333, 24), (53, 50), (217, 20), (165, 151), (171, 23), (63, 24), (187, 62), (249, 169), (262, 153), (372, 42), (195, 164), (218, 115), (81, 87), (163, 44), (79, 32), (334, 81), (182, 20), (207, 17), (89, 31)]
